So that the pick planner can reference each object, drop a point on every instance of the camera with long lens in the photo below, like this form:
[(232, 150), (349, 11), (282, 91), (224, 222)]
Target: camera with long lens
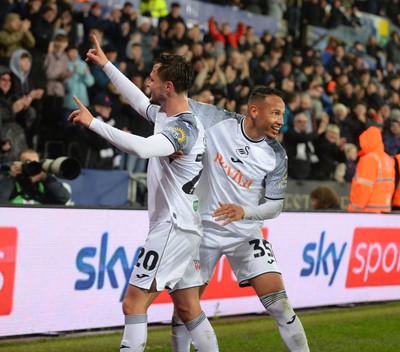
[(63, 167)]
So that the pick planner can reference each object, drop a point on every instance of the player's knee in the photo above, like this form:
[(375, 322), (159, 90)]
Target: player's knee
[(277, 305), (189, 311)]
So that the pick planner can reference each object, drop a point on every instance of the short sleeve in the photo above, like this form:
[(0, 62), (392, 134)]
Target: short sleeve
[(276, 181), (182, 132)]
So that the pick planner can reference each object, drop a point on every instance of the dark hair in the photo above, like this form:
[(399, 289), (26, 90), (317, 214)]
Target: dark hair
[(326, 197), (177, 69), (261, 92)]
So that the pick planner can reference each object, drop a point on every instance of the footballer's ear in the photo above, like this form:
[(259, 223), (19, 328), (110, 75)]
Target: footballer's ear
[(253, 110)]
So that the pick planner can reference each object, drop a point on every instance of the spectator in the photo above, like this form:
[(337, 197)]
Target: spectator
[(393, 49), (134, 60), (44, 29), (174, 15), (68, 24), (101, 153), (77, 85), (154, 8), (56, 64), (300, 148), (341, 117), (324, 198), (27, 83), (93, 19), (10, 106), (373, 185), (224, 34), (329, 150), (345, 171), (391, 139), (237, 76), (27, 183), (15, 35), (147, 36)]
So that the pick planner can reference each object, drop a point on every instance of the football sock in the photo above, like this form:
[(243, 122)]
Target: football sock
[(203, 335), (278, 306), (135, 333), (180, 336)]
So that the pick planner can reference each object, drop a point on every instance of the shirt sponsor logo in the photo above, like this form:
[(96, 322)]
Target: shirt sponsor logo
[(374, 258), (8, 250), (232, 173)]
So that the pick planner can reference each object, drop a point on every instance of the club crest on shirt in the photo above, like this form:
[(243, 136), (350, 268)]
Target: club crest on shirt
[(243, 152)]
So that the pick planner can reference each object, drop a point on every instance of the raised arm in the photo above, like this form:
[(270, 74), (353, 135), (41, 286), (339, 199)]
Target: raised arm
[(156, 145), (136, 98)]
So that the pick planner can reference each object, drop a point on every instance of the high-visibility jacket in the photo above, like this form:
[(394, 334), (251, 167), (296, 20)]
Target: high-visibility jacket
[(396, 195), (157, 8), (372, 186)]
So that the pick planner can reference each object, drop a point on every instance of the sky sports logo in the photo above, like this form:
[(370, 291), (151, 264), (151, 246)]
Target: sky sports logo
[(374, 258), (8, 251)]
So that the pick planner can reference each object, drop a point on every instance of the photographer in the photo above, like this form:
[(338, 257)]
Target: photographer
[(24, 184)]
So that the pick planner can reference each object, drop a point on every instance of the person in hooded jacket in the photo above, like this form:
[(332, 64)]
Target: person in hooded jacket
[(373, 184), (26, 83)]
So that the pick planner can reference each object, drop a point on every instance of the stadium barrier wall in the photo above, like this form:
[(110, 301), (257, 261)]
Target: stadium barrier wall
[(66, 269), (114, 188)]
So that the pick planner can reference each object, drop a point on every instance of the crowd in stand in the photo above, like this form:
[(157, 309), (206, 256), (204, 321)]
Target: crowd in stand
[(331, 97)]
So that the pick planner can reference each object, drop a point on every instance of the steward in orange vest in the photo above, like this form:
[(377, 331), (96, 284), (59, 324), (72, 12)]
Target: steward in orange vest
[(396, 195), (372, 186)]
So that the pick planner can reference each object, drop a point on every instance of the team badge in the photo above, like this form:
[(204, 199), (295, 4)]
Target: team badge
[(179, 134)]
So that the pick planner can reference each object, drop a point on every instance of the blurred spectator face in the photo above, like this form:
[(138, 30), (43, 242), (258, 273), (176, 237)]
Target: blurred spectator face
[(395, 128), (340, 112), (35, 5), (25, 64), (332, 136), (179, 30), (395, 82), (95, 32), (348, 90), (305, 102), (225, 28), (96, 9), (197, 50), (360, 109), (72, 54), (163, 25), (235, 59), (259, 49), (175, 11), (194, 34), (300, 122), (138, 80), (136, 51), (15, 24), (243, 109), (339, 52), (29, 156), (205, 96), (385, 111), (112, 55), (50, 15), (288, 85), (5, 82)]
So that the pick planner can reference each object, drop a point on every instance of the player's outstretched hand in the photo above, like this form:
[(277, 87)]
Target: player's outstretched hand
[(81, 116), (228, 213), (97, 55)]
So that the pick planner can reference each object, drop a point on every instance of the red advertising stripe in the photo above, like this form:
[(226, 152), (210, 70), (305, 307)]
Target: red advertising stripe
[(8, 250), (374, 258), (223, 283)]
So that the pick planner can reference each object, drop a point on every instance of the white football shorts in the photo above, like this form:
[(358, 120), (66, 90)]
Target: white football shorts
[(249, 256), (165, 256)]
